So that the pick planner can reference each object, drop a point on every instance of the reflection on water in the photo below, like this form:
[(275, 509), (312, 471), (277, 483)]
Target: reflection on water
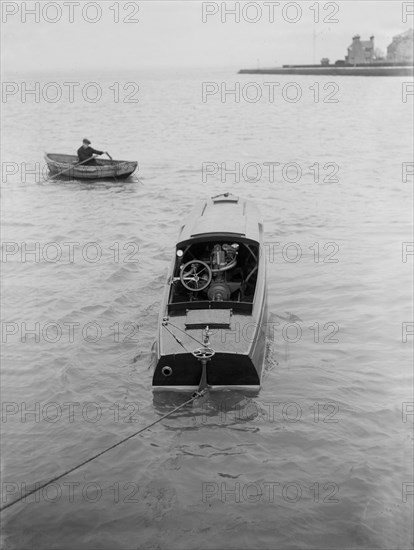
[(123, 183)]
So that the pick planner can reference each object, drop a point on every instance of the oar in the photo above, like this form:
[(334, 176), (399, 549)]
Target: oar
[(71, 168), (106, 153)]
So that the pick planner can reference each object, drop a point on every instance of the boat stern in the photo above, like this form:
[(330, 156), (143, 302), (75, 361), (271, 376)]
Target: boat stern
[(183, 371)]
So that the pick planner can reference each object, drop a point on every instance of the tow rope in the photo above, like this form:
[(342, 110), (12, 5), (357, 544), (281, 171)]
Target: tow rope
[(194, 396), (203, 355)]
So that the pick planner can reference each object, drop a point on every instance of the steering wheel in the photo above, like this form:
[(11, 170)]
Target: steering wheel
[(203, 353), (195, 275)]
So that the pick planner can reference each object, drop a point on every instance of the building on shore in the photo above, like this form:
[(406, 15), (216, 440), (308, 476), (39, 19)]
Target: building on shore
[(360, 51), (401, 49), (363, 59)]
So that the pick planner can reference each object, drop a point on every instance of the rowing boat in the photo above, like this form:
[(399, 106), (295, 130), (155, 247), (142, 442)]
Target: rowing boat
[(68, 166)]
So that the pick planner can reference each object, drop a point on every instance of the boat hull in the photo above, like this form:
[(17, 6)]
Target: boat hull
[(63, 166), (234, 329)]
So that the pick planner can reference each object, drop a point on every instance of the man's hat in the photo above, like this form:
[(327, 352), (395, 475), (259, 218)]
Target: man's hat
[(86, 141)]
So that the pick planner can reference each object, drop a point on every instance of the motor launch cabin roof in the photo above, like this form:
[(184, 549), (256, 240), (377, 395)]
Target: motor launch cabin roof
[(225, 214)]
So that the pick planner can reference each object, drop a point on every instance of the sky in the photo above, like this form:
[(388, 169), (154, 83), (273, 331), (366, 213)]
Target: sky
[(168, 34)]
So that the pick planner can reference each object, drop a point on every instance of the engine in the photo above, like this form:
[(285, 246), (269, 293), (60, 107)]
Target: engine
[(219, 291), (222, 259), (211, 272)]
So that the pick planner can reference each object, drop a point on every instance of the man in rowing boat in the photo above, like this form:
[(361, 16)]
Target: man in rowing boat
[(85, 152)]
